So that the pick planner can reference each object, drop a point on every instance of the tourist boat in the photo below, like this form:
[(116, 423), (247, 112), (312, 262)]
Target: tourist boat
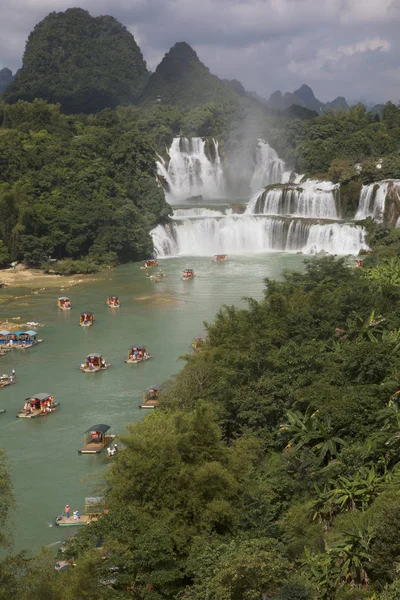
[(6, 380), (2, 410), (96, 438), (21, 340), (40, 405), (150, 262), (159, 276), (219, 258), (187, 274), (198, 344), (137, 354), (93, 363), (4, 339), (151, 396), (64, 303), (86, 319), (94, 508), (113, 301)]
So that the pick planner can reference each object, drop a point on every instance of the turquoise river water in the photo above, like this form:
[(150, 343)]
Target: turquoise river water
[(46, 468)]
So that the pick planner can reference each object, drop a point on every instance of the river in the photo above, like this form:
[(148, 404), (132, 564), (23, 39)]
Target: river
[(46, 468)]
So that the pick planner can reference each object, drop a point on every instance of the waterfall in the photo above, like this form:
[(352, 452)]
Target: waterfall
[(372, 201), (193, 169), (269, 168), (240, 234), (291, 217), (312, 199)]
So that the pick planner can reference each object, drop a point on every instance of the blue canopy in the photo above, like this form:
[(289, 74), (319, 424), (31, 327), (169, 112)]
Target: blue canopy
[(31, 333), (138, 347), (18, 332), (4, 332)]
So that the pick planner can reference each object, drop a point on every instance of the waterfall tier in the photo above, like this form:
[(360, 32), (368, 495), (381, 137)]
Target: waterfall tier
[(240, 234), (311, 199), (193, 169), (269, 168)]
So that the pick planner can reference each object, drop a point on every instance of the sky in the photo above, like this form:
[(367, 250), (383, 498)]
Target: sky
[(345, 48)]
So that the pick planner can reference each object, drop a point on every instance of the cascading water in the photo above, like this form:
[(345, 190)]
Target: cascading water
[(269, 168), (193, 169), (240, 234), (311, 199), (294, 217), (372, 201)]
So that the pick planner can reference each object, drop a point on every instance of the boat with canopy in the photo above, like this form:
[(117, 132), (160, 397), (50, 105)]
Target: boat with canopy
[(4, 339), (21, 340), (64, 303), (137, 354), (95, 507), (150, 262), (2, 410), (6, 380), (217, 258), (187, 274), (94, 362), (151, 396), (39, 405), (96, 438), (113, 301), (86, 319)]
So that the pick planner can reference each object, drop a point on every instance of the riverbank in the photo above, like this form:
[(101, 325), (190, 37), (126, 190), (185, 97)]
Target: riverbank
[(37, 281)]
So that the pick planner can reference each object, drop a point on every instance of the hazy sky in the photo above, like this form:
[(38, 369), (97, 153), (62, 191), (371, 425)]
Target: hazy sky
[(345, 48)]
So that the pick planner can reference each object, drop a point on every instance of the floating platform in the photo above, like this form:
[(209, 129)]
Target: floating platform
[(38, 413)]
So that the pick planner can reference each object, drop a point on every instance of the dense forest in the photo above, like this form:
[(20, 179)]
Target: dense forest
[(271, 468)]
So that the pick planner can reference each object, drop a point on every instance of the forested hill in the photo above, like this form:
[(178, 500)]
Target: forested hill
[(75, 187), (182, 79), (86, 63)]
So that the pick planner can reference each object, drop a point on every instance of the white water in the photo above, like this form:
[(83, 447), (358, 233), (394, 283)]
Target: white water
[(311, 199), (269, 168), (190, 172), (282, 219), (198, 212), (241, 234), (372, 201)]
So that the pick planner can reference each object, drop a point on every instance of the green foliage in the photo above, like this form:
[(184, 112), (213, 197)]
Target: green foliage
[(85, 63), (72, 187), (6, 499)]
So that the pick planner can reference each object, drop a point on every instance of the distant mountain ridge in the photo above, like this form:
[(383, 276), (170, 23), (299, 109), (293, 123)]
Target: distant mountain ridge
[(182, 79), (304, 97)]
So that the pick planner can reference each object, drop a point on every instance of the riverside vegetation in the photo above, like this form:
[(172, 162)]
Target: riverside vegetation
[(271, 468)]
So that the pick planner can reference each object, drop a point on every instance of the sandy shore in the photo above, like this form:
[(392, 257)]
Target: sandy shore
[(35, 278)]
